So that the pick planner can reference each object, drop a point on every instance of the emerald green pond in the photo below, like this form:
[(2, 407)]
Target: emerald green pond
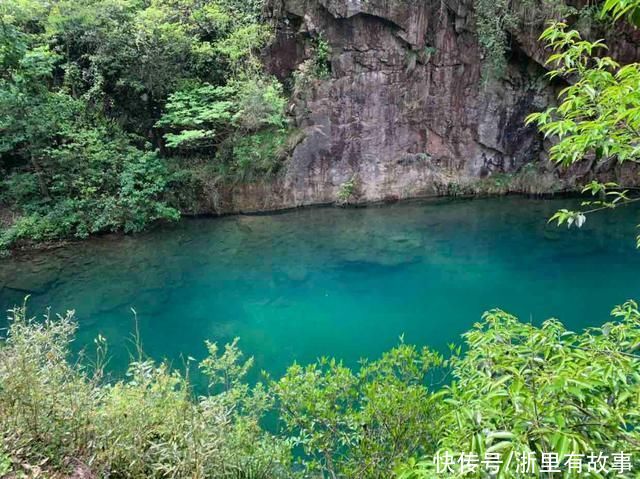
[(331, 281)]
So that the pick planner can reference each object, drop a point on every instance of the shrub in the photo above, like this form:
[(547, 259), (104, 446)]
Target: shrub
[(521, 389), (316, 67), (243, 121), (347, 191), (94, 183), (360, 424), (515, 389), (258, 155), (54, 414)]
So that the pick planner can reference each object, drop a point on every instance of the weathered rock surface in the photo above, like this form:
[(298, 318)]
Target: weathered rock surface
[(405, 111)]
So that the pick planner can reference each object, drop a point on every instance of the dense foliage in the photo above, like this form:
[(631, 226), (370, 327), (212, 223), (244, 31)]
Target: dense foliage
[(514, 388), (105, 106), (523, 391), (598, 115), (56, 416), (243, 120), (100, 100), (361, 424)]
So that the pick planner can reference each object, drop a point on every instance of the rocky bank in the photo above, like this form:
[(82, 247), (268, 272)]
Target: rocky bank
[(404, 111)]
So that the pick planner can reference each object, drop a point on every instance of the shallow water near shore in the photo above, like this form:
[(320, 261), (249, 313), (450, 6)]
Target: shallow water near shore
[(336, 282)]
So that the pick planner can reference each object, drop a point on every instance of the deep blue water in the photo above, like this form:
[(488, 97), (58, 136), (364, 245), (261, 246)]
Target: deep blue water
[(331, 281)]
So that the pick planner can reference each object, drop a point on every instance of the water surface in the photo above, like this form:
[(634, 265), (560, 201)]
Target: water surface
[(330, 281)]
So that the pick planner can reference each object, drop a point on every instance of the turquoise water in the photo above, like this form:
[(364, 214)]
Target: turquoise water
[(330, 281)]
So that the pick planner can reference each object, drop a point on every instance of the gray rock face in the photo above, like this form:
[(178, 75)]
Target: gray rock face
[(405, 112)]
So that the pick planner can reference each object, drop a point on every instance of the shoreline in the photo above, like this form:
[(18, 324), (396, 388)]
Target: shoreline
[(26, 249)]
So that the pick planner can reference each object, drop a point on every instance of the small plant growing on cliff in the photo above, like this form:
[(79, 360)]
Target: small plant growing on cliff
[(347, 191), (493, 19), (496, 18), (316, 67), (322, 58), (428, 52)]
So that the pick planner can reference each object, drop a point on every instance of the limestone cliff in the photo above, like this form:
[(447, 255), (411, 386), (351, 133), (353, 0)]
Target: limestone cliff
[(404, 110)]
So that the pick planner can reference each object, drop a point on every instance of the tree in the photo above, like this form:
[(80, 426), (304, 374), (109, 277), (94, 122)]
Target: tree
[(109, 110), (525, 391), (361, 424), (243, 121), (74, 172), (598, 119), (623, 8)]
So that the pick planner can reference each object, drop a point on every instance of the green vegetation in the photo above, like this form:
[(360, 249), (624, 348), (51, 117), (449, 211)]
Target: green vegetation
[(623, 8), (598, 113), (321, 58), (243, 121), (101, 101), (497, 19), (524, 390), (598, 118), (106, 106), (514, 388), (361, 424), (317, 67), (347, 191), (56, 416), (493, 19)]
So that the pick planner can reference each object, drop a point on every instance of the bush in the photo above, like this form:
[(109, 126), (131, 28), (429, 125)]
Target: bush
[(94, 182), (258, 155), (260, 104), (522, 389), (360, 424), (316, 67), (94, 95), (517, 389), (48, 406), (54, 414), (347, 191)]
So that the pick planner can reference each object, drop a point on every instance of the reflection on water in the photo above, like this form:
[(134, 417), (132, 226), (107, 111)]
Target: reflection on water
[(329, 281)]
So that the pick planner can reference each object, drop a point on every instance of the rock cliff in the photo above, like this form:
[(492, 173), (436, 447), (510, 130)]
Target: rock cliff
[(404, 110)]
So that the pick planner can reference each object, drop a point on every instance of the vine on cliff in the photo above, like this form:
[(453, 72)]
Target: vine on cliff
[(493, 19), (496, 18)]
